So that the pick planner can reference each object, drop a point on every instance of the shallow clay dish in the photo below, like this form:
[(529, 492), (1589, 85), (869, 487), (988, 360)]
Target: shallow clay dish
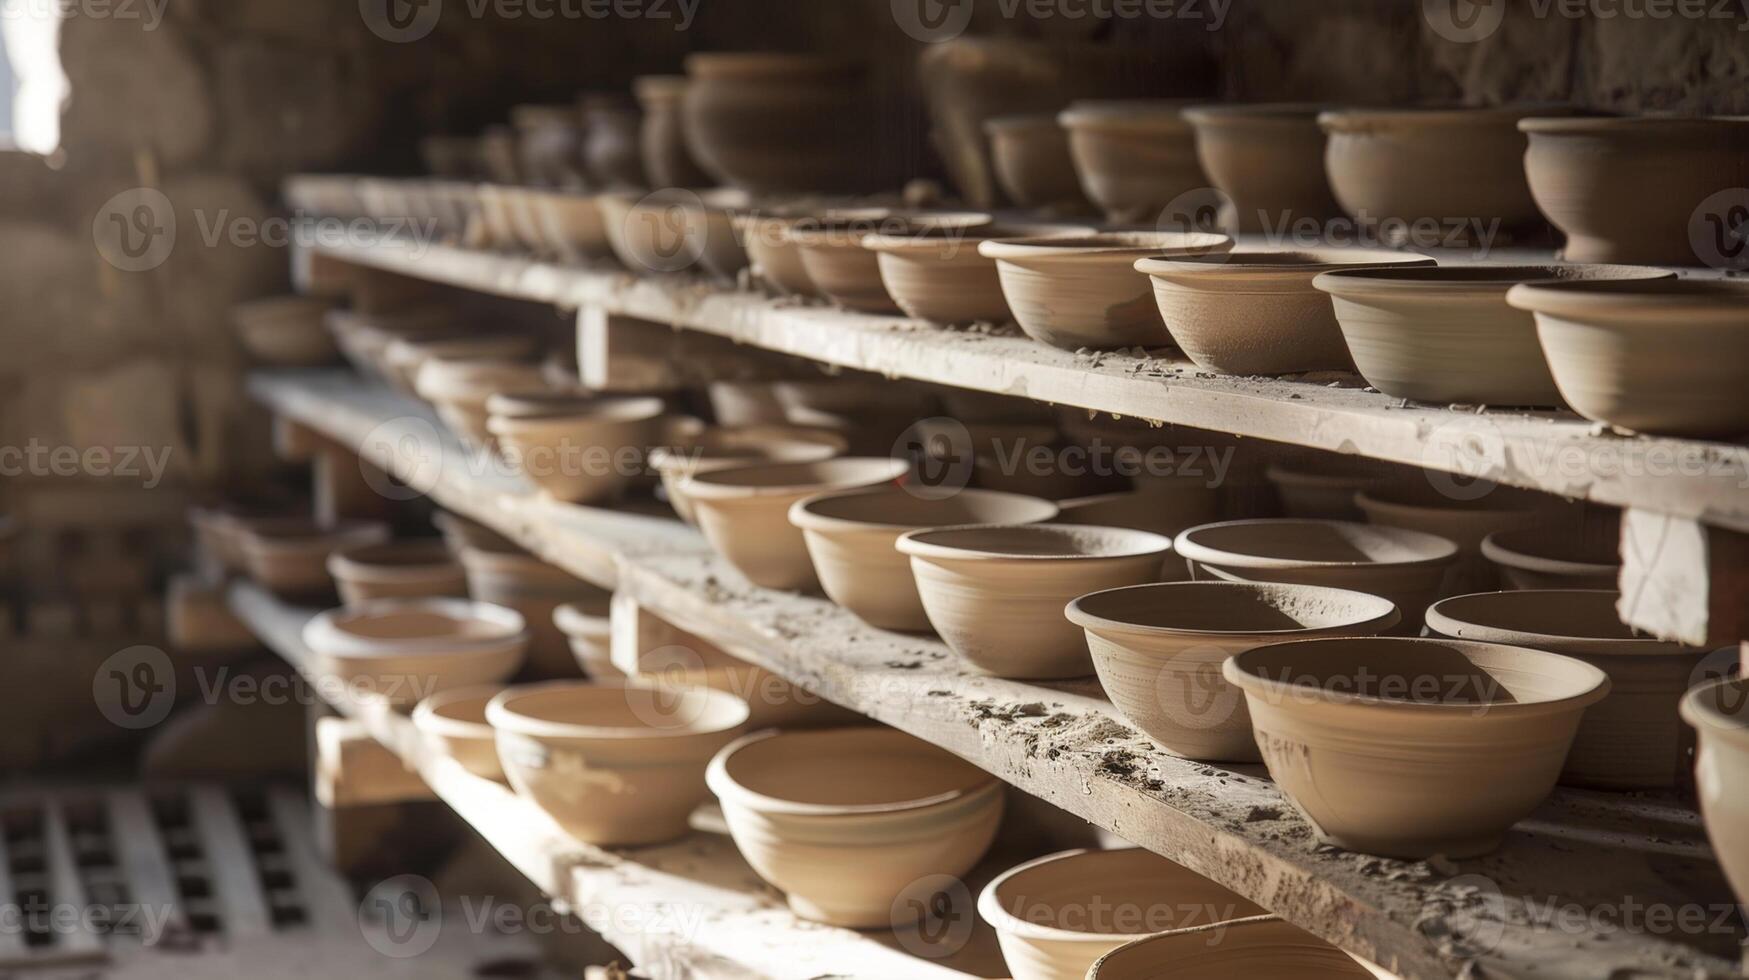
[(844, 820), (397, 570), (1255, 311), (1662, 356), (405, 650), (1549, 558), (286, 331), (588, 627), (290, 556), (1133, 156), (1258, 947), (727, 446), (1030, 155), (1084, 291), (1056, 915), (851, 537), (832, 252), (1720, 713), (996, 594), (1158, 650), (613, 764), (938, 275), (1447, 335), (454, 723), (1410, 748), (744, 512), (589, 454), (535, 589), (1268, 161), (1416, 505)]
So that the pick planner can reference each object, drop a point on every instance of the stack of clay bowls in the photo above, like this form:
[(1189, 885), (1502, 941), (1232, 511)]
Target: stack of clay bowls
[(576, 449), (459, 389), (453, 723), (290, 555), (286, 331), (1134, 157), (405, 650), (1030, 155), (1257, 947), (736, 445), (1267, 160), (1632, 740), (1074, 292), (1158, 650), (771, 122), (1464, 520), (1719, 712), (845, 820), (1409, 748), (938, 274), (613, 764), (832, 253), (535, 589), (397, 570), (1254, 311)]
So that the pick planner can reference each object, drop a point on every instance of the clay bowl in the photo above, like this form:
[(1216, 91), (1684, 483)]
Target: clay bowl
[(589, 454), (1164, 505), (1451, 169), (1406, 567), (1465, 522), (458, 389), (671, 656), (1631, 740), (290, 556), (1268, 161), (567, 224), (1056, 915), (851, 537), (453, 723), (844, 820), (996, 594), (1591, 177), (1258, 947), (938, 275), (1085, 292), (1661, 356), (286, 331), (727, 446), (776, 258), (588, 628), (744, 512), (1158, 651), (773, 123), (1324, 488), (1133, 156), (460, 533), (1255, 311), (1720, 713), (405, 650), (614, 764), (708, 217), (364, 338), (1030, 155), (1447, 335), (535, 589), (397, 570), (404, 357), (871, 413), (1547, 558), (832, 252)]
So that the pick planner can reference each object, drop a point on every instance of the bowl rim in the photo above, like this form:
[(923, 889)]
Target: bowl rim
[(1143, 544), (1261, 113), (1080, 612), (1444, 617), (1323, 259), (1447, 280), (574, 620), (427, 717), (1496, 549), (1147, 114), (1104, 246), (1633, 301), (1445, 550), (708, 486), (990, 907), (805, 514), (505, 719), (1701, 710), (1640, 125), (1363, 119), (720, 782), (324, 636)]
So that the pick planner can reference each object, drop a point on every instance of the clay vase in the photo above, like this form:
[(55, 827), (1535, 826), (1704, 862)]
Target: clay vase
[(286, 331), (402, 651), (773, 123), (613, 764), (832, 252), (996, 594), (1636, 189), (1158, 651), (535, 589), (1555, 558), (1323, 489), (667, 160), (1410, 748), (397, 570), (744, 512), (1057, 915), (290, 556), (1255, 311), (588, 628), (1085, 292), (612, 138), (1406, 567), (1632, 739), (1134, 157), (1263, 947), (938, 275), (727, 446), (1446, 335), (1659, 356), (549, 145), (1720, 713), (851, 537), (589, 454), (1419, 507), (1030, 155), (453, 723), (845, 820), (1268, 161), (458, 389)]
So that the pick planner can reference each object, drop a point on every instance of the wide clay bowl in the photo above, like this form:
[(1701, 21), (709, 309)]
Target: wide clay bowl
[(458, 389), (772, 123), (1164, 505), (1446, 334), (1418, 506), (1134, 157), (844, 820), (996, 594), (1404, 566), (1720, 713), (567, 224), (1255, 311), (404, 357), (589, 454), (708, 217), (1638, 189), (1409, 748), (832, 252), (1631, 740), (1661, 356), (1158, 650), (588, 627), (454, 724), (397, 570), (1258, 947), (1550, 558), (290, 556), (613, 764), (744, 512), (286, 331), (535, 589), (1324, 488), (405, 650), (1030, 155), (1056, 915), (938, 275), (775, 256), (1268, 161), (851, 537), (1085, 291), (735, 445)]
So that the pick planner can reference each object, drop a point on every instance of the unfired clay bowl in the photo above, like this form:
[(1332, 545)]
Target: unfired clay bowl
[(709, 219), (719, 448), (851, 537), (1158, 650), (535, 589), (454, 724), (405, 650), (744, 512), (996, 594), (1056, 915), (613, 764), (775, 256), (397, 570), (588, 627), (459, 389), (1268, 161), (589, 455), (286, 331), (1410, 748), (1030, 155), (1085, 292), (1323, 488), (844, 820), (1255, 311), (1416, 505), (1548, 558), (832, 252), (1661, 356), (1446, 334), (773, 122), (1720, 713), (290, 556), (1258, 947), (404, 357), (1165, 506), (567, 224), (938, 275), (1133, 156)]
